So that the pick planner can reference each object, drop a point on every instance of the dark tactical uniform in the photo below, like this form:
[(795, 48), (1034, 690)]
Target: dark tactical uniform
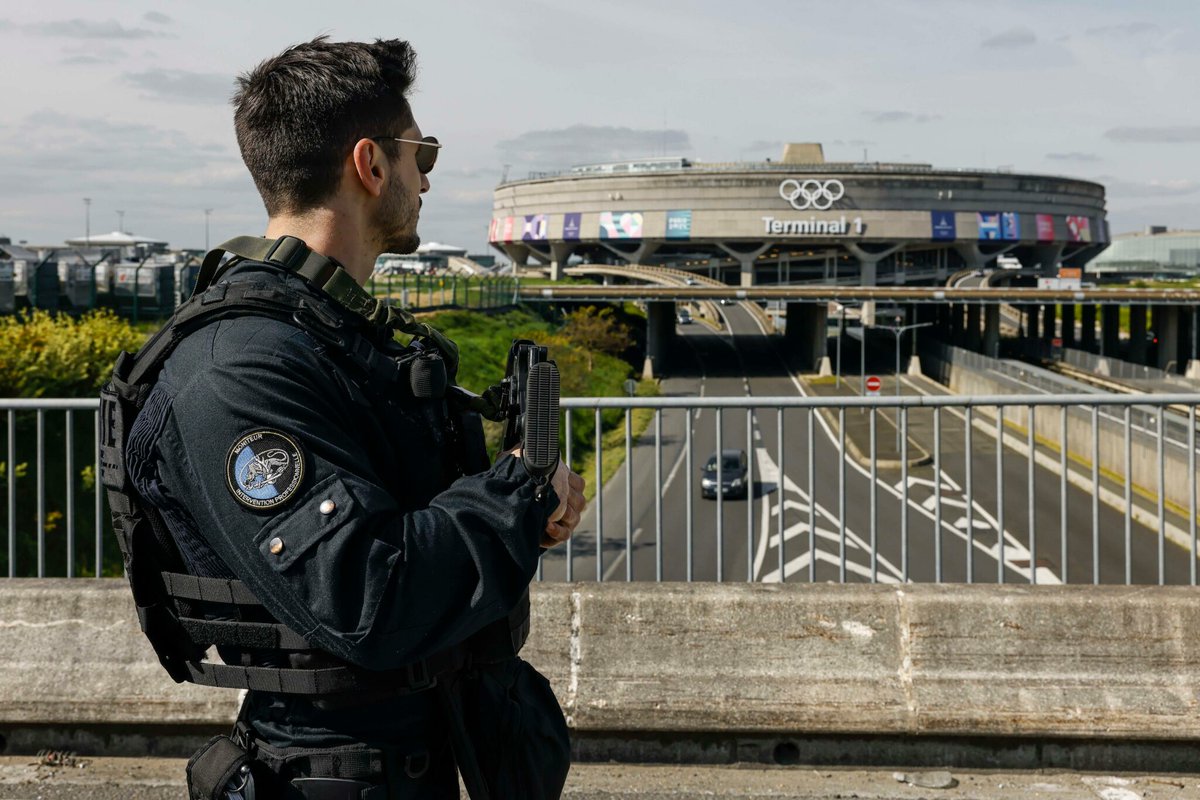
[(344, 510)]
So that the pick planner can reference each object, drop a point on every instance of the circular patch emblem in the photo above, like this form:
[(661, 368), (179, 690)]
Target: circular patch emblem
[(264, 469)]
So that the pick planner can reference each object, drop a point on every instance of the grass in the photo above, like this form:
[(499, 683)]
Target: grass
[(613, 443)]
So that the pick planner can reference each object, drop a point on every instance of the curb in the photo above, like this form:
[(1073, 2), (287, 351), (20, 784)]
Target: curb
[(923, 458)]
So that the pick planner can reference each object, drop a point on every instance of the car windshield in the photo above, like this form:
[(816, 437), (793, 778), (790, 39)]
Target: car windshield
[(730, 463)]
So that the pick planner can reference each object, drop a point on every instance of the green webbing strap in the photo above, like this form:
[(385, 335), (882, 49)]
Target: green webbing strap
[(329, 276)]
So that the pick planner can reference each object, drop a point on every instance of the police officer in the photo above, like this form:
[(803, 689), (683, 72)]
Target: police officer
[(312, 472)]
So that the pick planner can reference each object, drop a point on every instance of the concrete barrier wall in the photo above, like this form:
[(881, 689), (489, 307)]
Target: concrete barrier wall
[(1065, 661), (1176, 480)]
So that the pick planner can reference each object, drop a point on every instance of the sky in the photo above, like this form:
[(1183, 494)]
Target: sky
[(127, 103)]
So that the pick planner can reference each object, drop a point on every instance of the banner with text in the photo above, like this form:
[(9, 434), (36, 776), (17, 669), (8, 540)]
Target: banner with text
[(679, 224), (943, 225), (1045, 227), (572, 222), (1010, 226)]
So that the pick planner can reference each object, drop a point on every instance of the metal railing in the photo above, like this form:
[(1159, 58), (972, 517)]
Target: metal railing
[(1009, 488)]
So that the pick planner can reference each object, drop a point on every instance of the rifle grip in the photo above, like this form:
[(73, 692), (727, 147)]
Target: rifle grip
[(539, 450)]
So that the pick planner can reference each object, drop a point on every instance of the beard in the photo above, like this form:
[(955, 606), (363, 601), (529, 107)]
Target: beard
[(397, 221)]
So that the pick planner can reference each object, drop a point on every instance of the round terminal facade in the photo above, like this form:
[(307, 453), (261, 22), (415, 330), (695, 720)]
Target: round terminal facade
[(800, 219)]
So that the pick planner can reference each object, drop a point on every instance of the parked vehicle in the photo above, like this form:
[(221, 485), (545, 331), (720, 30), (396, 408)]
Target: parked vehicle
[(683, 317)]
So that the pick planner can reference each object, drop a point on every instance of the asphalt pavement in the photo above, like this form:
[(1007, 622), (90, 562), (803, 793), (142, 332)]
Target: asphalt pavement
[(916, 518)]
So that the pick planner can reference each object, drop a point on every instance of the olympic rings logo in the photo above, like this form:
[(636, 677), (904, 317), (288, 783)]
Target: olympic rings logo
[(811, 193)]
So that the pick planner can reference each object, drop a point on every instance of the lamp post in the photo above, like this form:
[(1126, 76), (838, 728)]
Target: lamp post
[(120, 221), (899, 330), (87, 221), (207, 214)]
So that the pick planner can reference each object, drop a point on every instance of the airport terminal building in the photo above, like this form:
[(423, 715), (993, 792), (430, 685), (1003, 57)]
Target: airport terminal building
[(799, 219)]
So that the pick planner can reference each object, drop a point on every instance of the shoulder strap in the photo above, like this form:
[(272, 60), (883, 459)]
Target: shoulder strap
[(327, 275)]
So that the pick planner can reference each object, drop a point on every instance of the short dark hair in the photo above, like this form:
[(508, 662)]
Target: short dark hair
[(298, 114)]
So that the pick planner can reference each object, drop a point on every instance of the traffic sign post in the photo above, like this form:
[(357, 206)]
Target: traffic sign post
[(874, 385)]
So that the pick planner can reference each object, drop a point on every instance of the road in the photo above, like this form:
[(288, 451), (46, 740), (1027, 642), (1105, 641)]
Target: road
[(856, 534)]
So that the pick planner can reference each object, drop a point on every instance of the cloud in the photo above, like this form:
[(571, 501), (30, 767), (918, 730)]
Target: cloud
[(1124, 29), (93, 54), (157, 18), (180, 86), (1167, 134), (1079, 158), (1011, 38), (59, 147), (1117, 187), (901, 116), (90, 29), (581, 144)]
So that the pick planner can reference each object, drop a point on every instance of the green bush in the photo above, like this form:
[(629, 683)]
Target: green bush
[(484, 340), (58, 355)]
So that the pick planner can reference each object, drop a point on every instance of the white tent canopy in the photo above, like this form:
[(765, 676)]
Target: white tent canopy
[(439, 249), (114, 239)]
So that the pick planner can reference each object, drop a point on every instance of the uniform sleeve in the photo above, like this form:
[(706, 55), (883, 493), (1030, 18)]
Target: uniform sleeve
[(337, 559)]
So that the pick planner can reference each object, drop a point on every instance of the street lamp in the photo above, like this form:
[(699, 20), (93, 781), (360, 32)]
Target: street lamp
[(120, 221), (207, 214), (899, 331), (87, 221)]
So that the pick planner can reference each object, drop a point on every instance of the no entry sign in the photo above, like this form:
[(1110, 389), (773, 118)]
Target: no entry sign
[(873, 385)]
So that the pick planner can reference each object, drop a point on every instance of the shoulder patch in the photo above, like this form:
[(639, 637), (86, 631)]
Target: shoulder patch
[(264, 469)]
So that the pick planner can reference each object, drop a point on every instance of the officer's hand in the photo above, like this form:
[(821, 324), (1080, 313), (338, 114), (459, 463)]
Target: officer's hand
[(569, 488)]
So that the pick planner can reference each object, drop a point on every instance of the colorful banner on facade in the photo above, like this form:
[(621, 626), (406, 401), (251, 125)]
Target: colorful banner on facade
[(508, 229), (493, 228), (572, 223), (989, 224), (1079, 229), (534, 229), (621, 225), (1010, 226), (943, 225), (679, 224), (1045, 227)]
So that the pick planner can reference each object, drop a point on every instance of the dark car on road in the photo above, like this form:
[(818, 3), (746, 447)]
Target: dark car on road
[(733, 475)]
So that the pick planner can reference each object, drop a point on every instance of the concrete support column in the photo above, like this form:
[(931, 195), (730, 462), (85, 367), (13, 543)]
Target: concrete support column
[(1110, 335), (867, 262), (517, 253), (1088, 323), (1033, 323), (559, 253), (804, 340), (1137, 335), (1166, 328), (1049, 322), (746, 260), (660, 330), (1047, 257), (1068, 325), (991, 330), (973, 337)]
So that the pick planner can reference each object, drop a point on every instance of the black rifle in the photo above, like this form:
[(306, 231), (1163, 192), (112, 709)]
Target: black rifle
[(530, 404)]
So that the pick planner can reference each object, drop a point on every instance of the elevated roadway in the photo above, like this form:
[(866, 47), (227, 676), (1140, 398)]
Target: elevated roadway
[(858, 294)]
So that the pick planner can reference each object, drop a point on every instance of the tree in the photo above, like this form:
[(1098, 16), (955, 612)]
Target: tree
[(595, 330)]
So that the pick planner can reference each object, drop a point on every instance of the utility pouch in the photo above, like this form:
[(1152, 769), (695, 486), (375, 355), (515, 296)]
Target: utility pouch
[(216, 769)]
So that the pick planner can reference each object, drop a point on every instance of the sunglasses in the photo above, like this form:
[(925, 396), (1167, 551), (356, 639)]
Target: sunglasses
[(427, 152)]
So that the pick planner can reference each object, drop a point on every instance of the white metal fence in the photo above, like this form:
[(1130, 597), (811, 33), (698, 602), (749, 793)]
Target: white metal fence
[(1012, 488)]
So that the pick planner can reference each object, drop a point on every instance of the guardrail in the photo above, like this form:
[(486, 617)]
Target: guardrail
[(1003, 488)]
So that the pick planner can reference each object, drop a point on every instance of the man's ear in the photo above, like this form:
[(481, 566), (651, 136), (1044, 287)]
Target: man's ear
[(371, 165)]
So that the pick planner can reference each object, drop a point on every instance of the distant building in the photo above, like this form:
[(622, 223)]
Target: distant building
[(1156, 252), (801, 218)]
